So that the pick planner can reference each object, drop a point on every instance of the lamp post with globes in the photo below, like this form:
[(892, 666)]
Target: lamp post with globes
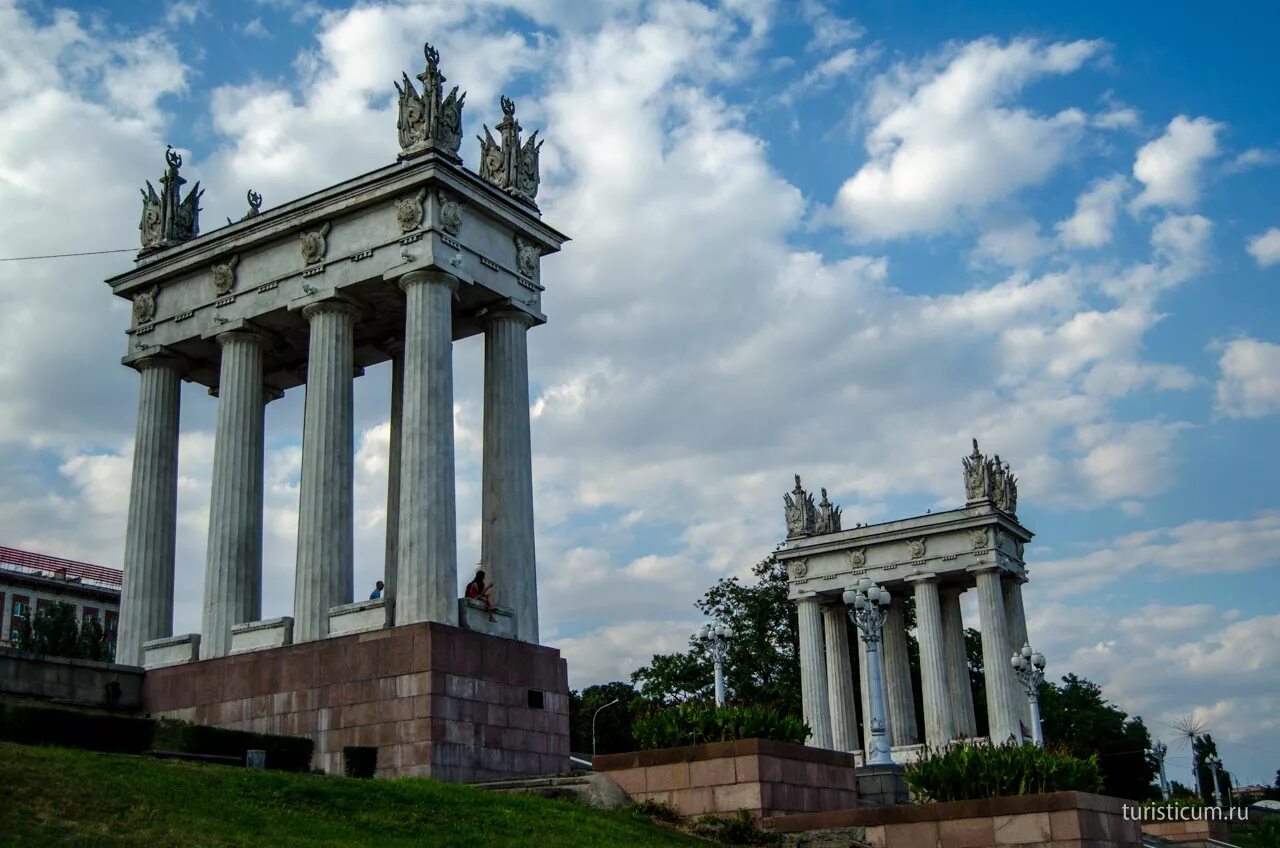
[(1215, 765), (1159, 750), (870, 605), (717, 637), (1028, 667)]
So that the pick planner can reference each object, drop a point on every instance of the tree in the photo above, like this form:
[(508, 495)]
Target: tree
[(53, 631), (762, 666), (1077, 717), (612, 724), (1201, 749)]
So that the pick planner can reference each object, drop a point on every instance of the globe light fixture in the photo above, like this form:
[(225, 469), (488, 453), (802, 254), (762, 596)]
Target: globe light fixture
[(1028, 667), (716, 637)]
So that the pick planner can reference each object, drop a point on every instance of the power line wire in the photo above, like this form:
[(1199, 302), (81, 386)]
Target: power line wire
[(65, 255)]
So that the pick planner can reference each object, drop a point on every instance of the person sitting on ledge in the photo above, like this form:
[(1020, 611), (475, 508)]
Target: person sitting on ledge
[(377, 591), (478, 591)]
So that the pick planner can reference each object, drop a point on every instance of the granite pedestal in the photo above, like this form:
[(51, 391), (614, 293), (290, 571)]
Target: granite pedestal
[(435, 700)]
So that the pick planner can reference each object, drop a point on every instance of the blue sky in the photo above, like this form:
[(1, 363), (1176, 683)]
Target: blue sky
[(806, 238)]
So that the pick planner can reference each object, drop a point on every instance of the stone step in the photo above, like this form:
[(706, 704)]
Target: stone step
[(540, 782), (593, 790)]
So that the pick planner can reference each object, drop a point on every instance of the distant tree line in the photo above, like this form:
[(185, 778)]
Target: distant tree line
[(53, 631)]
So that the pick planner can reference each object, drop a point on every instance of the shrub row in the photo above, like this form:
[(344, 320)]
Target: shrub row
[(696, 723), (963, 772), (32, 725)]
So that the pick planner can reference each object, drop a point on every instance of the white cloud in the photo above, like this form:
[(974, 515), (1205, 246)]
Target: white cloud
[(947, 137), (1265, 247), (1095, 215), (830, 31), (1254, 157), (1015, 247), (179, 12), (1249, 385), (1170, 167), (256, 29)]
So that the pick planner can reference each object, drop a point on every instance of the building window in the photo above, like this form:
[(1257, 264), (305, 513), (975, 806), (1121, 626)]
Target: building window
[(110, 622), (42, 604), (90, 612), (21, 609)]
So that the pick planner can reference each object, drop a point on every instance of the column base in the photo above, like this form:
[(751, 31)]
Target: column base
[(171, 650), (474, 615), (359, 617), (882, 786)]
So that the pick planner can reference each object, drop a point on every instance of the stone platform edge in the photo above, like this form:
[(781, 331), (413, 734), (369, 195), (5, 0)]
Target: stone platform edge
[(716, 750)]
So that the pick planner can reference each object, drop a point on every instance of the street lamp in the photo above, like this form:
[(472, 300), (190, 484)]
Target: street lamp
[(1158, 750), (593, 725), (717, 637), (1215, 765), (870, 605), (1028, 667)]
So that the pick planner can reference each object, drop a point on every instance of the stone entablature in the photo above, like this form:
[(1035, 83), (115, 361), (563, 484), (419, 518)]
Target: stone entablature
[(354, 240), (950, 544)]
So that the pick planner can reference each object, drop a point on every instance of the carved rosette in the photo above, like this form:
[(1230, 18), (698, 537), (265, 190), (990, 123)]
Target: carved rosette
[(313, 244), (799, 569), (857, 557), (527, 255), (409, 211), (915, 547), (224, 276), (978, 538), (450, 216), (144, 305)]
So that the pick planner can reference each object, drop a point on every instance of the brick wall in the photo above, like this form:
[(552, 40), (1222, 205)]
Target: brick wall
[(1188, 831), (435, 700), (762, 777)]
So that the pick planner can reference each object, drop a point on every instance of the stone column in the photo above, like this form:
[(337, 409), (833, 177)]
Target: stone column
[(897, 667), (427, 581), (506, 542), (813, 674), (1002, 709), (146, 600), (1017, 622), (933, 666), (325, 571), (390, 562), (962, 716), (844, 718), (233, 566)]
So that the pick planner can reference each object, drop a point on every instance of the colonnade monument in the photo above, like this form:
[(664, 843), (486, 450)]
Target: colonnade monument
[(391, 266), (932, 558)]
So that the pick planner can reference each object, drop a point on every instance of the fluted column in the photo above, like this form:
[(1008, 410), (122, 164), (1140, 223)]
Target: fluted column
[(1002, 709), (506, 541), (233, 566), (427, 582), (146, 600), (1017, 619), (933, 664), (841, 697), (897, 669), (813, 674), (957, 657), (391, 558), (325, 570)]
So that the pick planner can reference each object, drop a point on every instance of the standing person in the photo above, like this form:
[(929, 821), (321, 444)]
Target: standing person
[(477, 590), (377, 591)]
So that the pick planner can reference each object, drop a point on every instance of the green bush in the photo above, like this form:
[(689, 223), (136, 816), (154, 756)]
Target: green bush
[(658, 810), (72, 729), (740, 830), (696, 723), (285, 753), (54, 631), (359, 761), (1265, 834), (962, 772)]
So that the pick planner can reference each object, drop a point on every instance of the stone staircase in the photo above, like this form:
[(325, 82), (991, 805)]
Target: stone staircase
[(583, 787)]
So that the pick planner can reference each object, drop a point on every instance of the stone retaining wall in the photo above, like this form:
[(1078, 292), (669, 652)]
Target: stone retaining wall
[(764, 778), (1052, 820), (1188, 831), (84, 683)]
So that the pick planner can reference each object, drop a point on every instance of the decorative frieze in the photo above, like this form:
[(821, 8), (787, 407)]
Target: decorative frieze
[(364, 254), (224, 275), (266, 287), (489, 263), (144, 305), (410, 210), (313, 244), (527, 255)]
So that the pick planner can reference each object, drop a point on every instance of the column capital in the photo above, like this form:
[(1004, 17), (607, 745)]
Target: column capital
[(338, 305), (428, 275), (241, 334), (159, 357), (926, 577), (505, 312)]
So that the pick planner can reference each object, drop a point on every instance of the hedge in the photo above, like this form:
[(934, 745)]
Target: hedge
[(964, 772), (33, 725), (695, 723)]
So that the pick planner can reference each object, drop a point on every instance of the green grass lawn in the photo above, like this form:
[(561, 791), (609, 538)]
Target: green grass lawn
[(58, 796)]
